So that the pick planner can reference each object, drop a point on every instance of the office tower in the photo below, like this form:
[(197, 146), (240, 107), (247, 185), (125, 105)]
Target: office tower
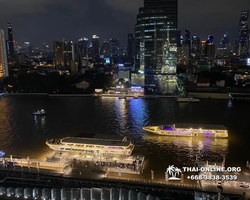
[(83, 46), (210, 48), (130, 45), (183, 54), (63, 51), (76, 61), (105, 50), (114, 46), (187, 39), (243, 33), (10, 43), (4, 72), (179, 39), (27, 48), (224, 43), (196, 47), (156, 39), (68, 53), (96, 48), (58, 51)]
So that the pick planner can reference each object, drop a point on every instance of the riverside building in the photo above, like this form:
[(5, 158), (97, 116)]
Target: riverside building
[(156, 45)]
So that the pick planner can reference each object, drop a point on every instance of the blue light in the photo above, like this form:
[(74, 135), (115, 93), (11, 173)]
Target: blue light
[(2, 154)]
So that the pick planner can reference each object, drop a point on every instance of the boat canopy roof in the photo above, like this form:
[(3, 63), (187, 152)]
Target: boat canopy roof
[(202, 126), (94, 141)]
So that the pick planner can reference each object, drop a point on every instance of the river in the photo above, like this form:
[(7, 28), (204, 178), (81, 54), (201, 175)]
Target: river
[(21, 134)]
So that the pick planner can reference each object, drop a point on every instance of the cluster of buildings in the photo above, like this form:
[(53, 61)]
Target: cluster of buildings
[(150, 60)]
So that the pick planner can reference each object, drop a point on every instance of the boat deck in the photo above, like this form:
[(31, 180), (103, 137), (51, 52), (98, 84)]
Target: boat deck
[(201, 126)]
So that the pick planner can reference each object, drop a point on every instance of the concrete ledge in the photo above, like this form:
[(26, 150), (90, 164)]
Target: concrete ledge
[(209, 95)]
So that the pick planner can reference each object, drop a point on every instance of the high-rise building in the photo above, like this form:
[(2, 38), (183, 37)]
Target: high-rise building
[(183, 54), (4, 72), (196, 47), (243, 33), (64, 54), (114, 46), (27, 48), (188, 39), (105, 50), (156, 39), (179, 39), (224, 43), (10, 43), (210, 48), (96, 47), (83, 46), (130, 45)]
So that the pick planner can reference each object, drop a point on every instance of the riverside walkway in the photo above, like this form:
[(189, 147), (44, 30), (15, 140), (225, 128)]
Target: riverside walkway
[(26, 179)]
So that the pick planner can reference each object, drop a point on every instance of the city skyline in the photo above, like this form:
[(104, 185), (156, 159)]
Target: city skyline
[(35, 21)]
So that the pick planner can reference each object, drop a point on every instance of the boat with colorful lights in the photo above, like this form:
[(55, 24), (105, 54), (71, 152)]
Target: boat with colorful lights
[(189, 130), (97, 144), (186, 100), (39, 112)]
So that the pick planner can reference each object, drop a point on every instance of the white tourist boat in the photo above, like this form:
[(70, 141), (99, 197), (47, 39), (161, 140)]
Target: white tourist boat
[(187, 100), (39, 112), (98, 144), (189, 130)]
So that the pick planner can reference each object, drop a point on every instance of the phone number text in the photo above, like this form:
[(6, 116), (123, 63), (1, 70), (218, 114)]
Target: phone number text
[(213, 177)]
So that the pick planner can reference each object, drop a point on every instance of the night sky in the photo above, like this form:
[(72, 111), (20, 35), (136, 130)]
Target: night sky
[(41, 21)]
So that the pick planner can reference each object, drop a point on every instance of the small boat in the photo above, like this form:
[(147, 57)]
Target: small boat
[(96, 95), (39, 112), (187, 100)]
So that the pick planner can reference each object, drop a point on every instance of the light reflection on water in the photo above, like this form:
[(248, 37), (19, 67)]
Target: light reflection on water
[(6, 123), (185, 149)]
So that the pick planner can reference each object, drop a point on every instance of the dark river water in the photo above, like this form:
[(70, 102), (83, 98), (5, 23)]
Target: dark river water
[(23, 135)]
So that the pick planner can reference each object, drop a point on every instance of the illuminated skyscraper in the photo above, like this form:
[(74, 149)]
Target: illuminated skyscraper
[(114, 46), (10, 43), (243, 32), (63, 51), (130, 45), (224, 43), (96, 47), (156, 43), (83, 46), (105, 50), (196, 47), (4, 72)]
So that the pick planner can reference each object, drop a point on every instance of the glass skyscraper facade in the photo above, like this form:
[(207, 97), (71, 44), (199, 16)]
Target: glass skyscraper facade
[(156, 45), (244, 32), (4, 72)]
